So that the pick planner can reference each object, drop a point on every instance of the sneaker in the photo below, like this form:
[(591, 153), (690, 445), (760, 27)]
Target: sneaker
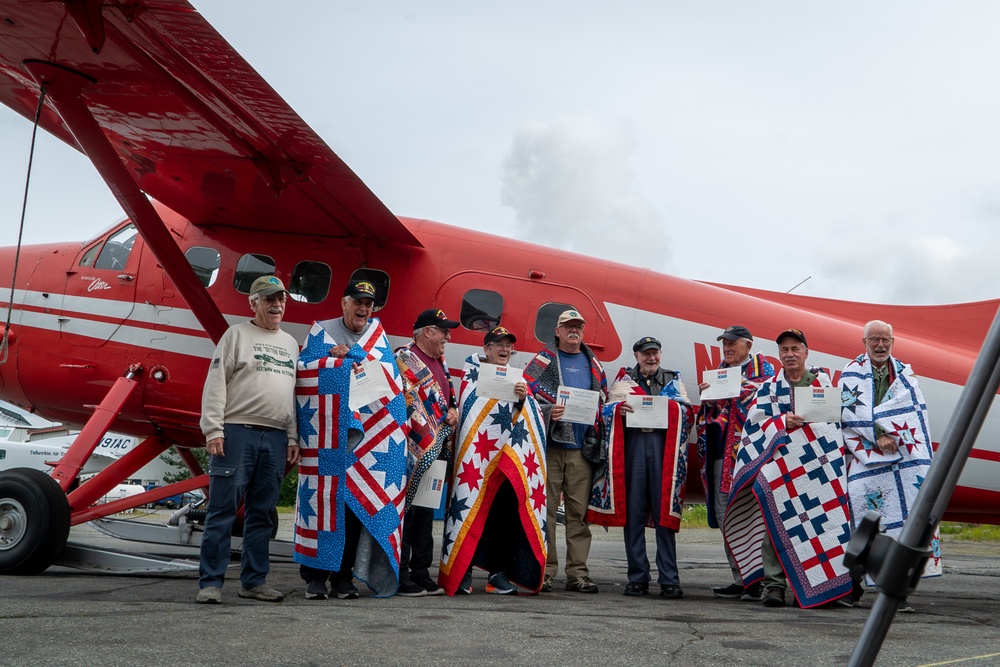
[(408, 589), (431, 586), (775, 597), (753, 593), (316, 590), (581, 585), (671, 592), (547, 584), (465, 588), (264, 593), (636, 589), (209, 595), (501, 585), (906, 608), (346, 590), (730, 592)]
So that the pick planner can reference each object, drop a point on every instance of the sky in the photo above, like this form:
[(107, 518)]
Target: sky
[(853, 145)]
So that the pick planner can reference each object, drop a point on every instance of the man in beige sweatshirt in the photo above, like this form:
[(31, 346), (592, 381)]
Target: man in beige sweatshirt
[(248, 418)]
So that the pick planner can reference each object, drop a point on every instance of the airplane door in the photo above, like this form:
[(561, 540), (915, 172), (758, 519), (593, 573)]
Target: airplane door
[(100, 289)]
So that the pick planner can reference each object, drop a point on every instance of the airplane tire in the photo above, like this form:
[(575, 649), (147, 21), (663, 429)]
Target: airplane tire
[(34, 521)]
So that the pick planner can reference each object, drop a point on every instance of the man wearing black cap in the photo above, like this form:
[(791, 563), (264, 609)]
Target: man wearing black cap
[(497, 504), (655, 468), (788, 519), (431, 408), (343, 510), (718, 426)]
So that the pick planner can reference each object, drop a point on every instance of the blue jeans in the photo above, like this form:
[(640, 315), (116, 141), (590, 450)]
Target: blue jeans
[(250, 471)]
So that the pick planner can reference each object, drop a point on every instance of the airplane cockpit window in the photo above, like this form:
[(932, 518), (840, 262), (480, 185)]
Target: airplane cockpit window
[(205, 262), (250, 268), (545, 321), (114, 254), (310, 282), (378, 279), (481, 310)]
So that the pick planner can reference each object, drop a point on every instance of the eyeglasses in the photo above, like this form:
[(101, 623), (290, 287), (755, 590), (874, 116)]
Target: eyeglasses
[(280, 297), (876, 340)]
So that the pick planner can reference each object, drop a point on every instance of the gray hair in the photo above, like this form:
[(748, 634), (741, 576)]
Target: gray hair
[(254, 298), (417, 332), (874, 323)]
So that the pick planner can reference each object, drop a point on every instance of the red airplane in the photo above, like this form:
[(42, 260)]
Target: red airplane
[(116, 332)]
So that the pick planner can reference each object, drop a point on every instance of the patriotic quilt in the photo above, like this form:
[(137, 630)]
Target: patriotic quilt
[(607, 497), (886, 483), (791, 485), (497, 442), (352, 459)]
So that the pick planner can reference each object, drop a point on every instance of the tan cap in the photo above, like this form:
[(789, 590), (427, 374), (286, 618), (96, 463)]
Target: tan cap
[(267, 285), (569, 316)]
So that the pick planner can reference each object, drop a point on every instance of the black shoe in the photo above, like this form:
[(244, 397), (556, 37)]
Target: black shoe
[(430, 586), (408, 589), (316, 590), (636, 589), (346, 590), (465, 588), (671, 592), (906, 608), (753, 593), (730, 592), (501, 585), (775, 597)]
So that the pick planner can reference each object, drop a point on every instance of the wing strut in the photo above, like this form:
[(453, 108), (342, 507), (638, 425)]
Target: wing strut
[(65, 91), (895, 565)]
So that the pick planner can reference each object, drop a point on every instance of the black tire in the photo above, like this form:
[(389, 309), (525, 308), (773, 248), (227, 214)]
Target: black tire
[(34, 521)]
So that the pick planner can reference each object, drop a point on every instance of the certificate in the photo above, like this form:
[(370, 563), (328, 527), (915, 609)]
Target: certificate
[(723, 383), (649, 411), (368, 384), (581, 404), (818, 404), (431, 486), (497, 382)]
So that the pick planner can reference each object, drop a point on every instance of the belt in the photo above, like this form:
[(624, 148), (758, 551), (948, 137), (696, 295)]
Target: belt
[(261, 428), (647, 430)]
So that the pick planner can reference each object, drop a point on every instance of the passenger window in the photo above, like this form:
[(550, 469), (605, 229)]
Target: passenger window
[(380, 280), (249, 269), (310, 282), (114, 255), (205, 262), (545, 321), (481, 310)]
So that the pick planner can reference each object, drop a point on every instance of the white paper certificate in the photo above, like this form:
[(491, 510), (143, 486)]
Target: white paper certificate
[(649, 411), (581, 404), (431, 485), (818, 404), (368, 384), (724, 383), (497, 382)]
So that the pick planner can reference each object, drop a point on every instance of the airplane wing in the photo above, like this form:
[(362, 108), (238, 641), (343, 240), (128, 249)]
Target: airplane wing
[(197, 128)]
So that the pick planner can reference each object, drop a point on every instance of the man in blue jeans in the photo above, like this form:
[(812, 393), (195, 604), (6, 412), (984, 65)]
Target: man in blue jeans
[(248, 418)]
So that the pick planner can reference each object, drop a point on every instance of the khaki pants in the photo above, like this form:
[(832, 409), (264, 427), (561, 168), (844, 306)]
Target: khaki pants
[(570, 474)]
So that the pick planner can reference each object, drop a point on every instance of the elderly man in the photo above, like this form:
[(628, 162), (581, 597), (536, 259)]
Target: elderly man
[(352, 476), (788, 519), (652, 464), (432, 416), (248, 419), (887, 435), (567, 361), (718, 426), (496, 513)]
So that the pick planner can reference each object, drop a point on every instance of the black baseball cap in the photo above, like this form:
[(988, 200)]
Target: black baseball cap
[(360, 289), (794, 333), (646, 343), (735, 332), (496, 333), (434, 317)]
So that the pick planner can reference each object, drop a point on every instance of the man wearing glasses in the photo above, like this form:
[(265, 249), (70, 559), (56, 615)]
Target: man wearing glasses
[(887, 435), (250, 427)]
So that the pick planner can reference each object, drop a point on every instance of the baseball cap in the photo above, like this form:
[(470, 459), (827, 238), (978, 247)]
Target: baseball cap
[(569, 316), (267, 285), (434, 317), (735, 332), (360, 289), (496, 333), (794, 333), (646, 343)]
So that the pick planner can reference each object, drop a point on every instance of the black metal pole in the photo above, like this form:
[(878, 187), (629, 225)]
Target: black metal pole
[(963, 428)]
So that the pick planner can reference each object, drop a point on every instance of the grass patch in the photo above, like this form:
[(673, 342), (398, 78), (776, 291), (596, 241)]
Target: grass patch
[(694, 516), (970, 532)]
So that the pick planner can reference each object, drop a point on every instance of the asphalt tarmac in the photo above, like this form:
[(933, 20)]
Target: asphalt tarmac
[(65, 617)]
